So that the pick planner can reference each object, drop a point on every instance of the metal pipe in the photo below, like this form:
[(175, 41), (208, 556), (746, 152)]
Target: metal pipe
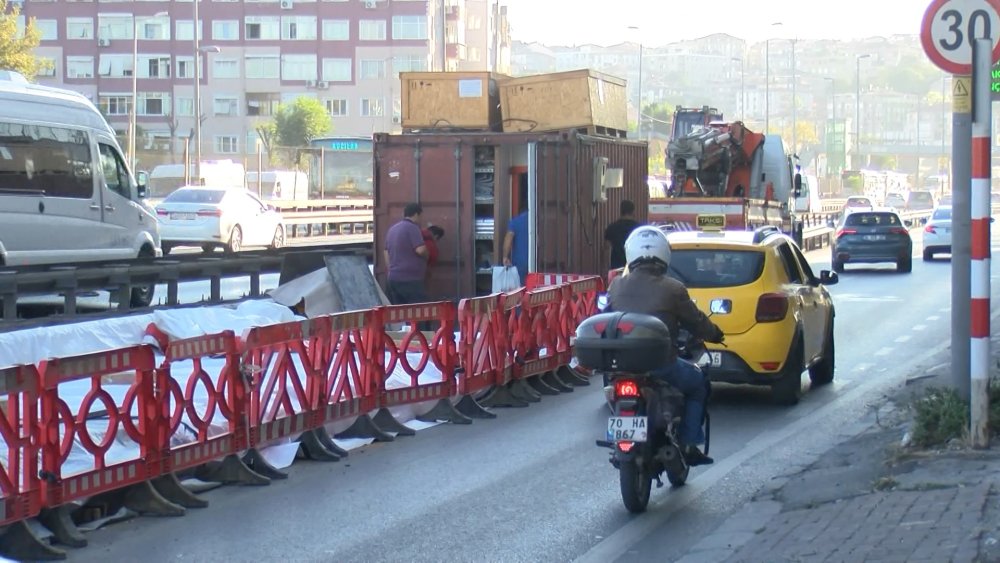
[(857, 110), (532, 206), (135, 93), (197, 94), (980, 213), (458, 221)]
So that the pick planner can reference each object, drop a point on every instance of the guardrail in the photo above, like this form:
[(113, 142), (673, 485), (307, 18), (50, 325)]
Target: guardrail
[(279, 382), (119, 277), (818, 228)]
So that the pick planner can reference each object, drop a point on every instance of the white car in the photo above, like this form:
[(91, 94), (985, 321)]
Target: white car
[(937, 233), (211, 217)]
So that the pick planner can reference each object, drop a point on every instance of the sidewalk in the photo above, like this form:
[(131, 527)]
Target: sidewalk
[(866, 501)]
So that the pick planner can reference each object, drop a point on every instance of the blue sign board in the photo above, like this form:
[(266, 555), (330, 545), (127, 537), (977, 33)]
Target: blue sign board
[(343, 144)]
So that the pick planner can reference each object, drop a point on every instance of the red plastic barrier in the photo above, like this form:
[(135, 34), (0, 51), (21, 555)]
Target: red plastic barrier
[(19, 485), (307, 373), (135, 415), (438, 353), (479, 353), (547, 342), (512, 336), (226, 395), (582, 301), (538, 279)]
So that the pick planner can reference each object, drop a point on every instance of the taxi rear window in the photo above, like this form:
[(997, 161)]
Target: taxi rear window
[(706, 268)]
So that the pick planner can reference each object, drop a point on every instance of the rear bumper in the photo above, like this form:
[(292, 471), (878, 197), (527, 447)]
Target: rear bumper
[(870, 254)]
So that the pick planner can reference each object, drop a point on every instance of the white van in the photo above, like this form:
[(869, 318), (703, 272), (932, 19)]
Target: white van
[(279, 185), (808, 200), (166, 178), (66, 194)]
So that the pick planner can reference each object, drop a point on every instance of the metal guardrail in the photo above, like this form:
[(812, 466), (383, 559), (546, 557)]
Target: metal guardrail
[(119, 277)]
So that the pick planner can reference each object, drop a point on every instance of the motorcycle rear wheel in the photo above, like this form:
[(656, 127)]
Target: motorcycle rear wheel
[(635, 483)]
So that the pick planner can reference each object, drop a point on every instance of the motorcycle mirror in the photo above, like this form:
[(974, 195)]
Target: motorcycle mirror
[(602, 301), (721, 306)]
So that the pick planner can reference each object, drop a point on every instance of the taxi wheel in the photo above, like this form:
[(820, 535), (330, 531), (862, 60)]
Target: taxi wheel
[(788, 390), (822, 372)]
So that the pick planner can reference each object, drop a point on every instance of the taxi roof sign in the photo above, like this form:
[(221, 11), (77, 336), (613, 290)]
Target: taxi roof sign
[(713, 222)]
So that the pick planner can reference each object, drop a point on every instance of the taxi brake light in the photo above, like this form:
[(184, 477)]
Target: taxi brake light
[(771, 307), (626, 388)]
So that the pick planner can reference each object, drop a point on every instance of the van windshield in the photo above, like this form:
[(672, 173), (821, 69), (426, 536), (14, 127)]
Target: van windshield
[(196, 196)]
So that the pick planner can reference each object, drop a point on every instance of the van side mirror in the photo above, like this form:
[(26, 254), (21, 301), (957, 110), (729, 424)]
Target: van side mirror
[(798, 185), (142, 183)]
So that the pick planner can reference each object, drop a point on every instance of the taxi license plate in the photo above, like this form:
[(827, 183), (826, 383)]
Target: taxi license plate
[(183, 216), (716, 359), (874, 237), (628, 428)]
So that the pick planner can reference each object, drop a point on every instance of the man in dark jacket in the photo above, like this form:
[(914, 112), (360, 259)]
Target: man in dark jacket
[(646, 289), (617, 233)]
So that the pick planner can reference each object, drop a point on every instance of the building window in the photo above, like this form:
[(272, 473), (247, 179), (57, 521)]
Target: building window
[(337, 108), (226, 106), (298, 67), (474, 23), (409, 27), (79, 28), (185, 67), (337, 70), (79, 67), (115, 66), (298, 27), (227, 144), (226, 30), (337, 30), (409, 63), (225, 68), (48, 68), (115, 104), (114, 27), (263, 66), (184, 107), (156, 103), (154, 66), (474, 55), (371, 69), (252, 139), (155, 29), (372, 107), (371, 30), (184, 30), (264, 28), (262, 103), (48, 29)]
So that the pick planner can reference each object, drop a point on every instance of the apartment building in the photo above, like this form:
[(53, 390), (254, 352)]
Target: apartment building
[(255, 54)]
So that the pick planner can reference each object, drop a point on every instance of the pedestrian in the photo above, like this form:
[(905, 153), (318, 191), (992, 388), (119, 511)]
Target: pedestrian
[(432, 234), (617, 233), (406, 258), (515, 243)]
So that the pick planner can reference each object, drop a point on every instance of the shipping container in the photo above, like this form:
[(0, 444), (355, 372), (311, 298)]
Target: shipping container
[(565, 100), (470, 184), (451, 100)]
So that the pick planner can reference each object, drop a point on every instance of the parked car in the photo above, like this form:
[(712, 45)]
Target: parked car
[(66, 192), (871, 237), (218, 217), (937, 233)]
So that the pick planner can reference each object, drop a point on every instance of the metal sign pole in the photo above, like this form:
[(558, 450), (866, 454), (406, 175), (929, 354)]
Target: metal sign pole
[(961, 178), (979, 306)]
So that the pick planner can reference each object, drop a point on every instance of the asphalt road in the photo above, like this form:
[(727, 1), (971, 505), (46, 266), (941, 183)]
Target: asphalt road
[(532, 486)]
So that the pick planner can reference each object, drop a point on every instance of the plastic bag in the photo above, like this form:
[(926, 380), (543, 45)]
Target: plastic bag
[(505, 278)]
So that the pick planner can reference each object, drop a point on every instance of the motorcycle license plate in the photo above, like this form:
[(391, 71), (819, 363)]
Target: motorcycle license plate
[(627, 428), (716, 359)]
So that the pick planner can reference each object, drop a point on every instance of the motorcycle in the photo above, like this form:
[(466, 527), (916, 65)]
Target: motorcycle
[(643, 431)]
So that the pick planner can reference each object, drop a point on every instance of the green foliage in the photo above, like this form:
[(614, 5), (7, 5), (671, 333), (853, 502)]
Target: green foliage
[(659, 117), (17, 49), (940, 415), (297, 123)]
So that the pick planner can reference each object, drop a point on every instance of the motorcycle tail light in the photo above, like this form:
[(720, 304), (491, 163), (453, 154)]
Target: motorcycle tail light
[(626, 388), (626, 447)]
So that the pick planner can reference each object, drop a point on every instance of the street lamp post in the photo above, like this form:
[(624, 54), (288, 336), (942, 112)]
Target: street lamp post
[(833, 118), (857, 104), (132, 126), (743, 90), (795, 144), (639, 106), (767, 83), (197, 101)]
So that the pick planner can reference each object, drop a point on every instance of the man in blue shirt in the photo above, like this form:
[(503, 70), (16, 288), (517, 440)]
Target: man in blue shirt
[(515, 244)]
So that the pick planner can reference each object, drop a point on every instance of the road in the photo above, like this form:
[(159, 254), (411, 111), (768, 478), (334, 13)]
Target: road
[(532, 486)]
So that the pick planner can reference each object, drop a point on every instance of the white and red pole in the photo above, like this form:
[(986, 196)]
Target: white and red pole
[(979, 309)]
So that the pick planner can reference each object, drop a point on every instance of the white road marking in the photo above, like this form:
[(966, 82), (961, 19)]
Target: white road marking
[(903, 338), (946, 310), (934, 318), (863, 367), (919, 327), (884, 351)]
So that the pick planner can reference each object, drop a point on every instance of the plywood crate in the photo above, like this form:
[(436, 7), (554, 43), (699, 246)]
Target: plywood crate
[(451, 100), (565, 100)]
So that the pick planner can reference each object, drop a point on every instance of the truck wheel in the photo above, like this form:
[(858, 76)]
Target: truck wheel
[(788, 390)]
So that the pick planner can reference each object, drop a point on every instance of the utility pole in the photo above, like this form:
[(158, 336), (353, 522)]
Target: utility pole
[(980, 217)]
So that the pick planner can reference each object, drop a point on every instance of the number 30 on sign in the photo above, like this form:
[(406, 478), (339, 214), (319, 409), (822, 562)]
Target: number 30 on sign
[(949, 28)]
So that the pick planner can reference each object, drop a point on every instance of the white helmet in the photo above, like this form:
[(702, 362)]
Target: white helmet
[(647, 244)]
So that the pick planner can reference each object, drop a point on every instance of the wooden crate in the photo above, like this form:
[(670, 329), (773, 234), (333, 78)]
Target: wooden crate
[(576, 99), (451, 100)]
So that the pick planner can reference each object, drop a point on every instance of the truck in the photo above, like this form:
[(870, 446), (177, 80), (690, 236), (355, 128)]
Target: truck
[(166, 178), (287, 185), (725, 169)]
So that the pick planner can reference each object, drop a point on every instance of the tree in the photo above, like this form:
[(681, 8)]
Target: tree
[(17, 48), (295, 125)]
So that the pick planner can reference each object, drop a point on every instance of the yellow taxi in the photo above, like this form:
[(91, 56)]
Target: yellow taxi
[(760, 290)]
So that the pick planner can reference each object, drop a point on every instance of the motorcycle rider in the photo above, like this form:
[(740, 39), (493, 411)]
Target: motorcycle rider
[(646, 289)]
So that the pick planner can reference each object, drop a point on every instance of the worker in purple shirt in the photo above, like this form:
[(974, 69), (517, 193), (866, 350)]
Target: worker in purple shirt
[(406, 256)]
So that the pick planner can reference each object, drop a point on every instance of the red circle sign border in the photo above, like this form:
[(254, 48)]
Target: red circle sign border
[(930, 49)]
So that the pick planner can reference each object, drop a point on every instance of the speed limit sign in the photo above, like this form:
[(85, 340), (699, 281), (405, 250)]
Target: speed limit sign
[(950, 26)]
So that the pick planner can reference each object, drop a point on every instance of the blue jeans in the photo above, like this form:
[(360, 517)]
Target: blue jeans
[(689, 380)]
